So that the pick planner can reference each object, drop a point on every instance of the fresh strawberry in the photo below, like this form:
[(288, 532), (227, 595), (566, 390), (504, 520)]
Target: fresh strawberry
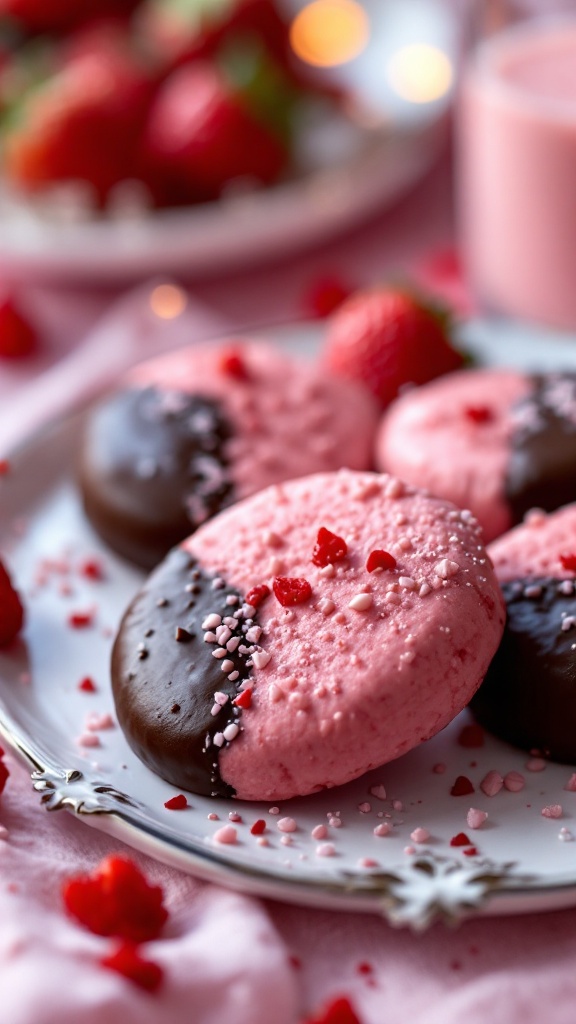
[(388, 337), (201, 135), (59, 15), (11, 610), (82, 124), (18, 338)]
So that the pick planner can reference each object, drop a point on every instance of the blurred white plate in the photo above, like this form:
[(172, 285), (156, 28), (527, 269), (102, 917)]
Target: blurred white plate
[(351, 171)]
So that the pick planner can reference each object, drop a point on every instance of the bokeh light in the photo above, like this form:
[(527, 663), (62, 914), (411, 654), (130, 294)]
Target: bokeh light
[(420, 73), (167, 301), (326, 33)]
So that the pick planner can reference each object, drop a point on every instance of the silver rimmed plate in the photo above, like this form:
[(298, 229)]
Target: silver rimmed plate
[(519, 860), (346, 167)]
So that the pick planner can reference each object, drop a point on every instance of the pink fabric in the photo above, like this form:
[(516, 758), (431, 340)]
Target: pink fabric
[(226, 957)]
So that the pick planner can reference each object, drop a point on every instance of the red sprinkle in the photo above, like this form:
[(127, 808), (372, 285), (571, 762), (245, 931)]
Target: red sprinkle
[(380, 559), (257, 595), (4, 775), (339, 1011), (460, 840), (126, 960), (243, 700), (87, 685), (92, 570), (11, 610), (5, 467), (568, 562), (232, 364), (116, 900), (176, 803), (470, 852), (17, 336), (325, 295), (329, 548), (79, 620), (365, 968), (471, 736), (479, 413), (462, 787), (291, 590), (295, 962), (258, 827)]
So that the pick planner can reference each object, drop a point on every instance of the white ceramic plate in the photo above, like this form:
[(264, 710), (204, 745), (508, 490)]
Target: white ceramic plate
[(346, 173), (523, 860)]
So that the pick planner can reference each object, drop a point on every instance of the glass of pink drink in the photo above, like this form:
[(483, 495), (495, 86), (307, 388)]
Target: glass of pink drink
[(517, 171)]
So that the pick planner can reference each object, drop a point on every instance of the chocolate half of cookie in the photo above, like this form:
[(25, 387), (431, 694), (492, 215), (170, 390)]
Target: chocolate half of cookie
[(528, 696)]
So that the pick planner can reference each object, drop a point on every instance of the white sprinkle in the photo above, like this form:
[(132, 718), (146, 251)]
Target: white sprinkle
[(326, 606), (218, 739), (230, 621), (231, 731), (261, 659), (218, 583), (566, 587), (253, 634), (221, 698), (392, 598), (220, 652), (420, 835), (565, 835), (361, 602), (378, 791), (286, 825), (233, 676), (382, 829), (325, 850), (328, 570), (394, 488), (567, 623), (226, 835), (223, 634), (274, 810), (232, 599), (445, 568), (408, 657), (425, 589), (227, 665), (319, 832), (365, 807), (210, 638), (211, 621), (275, 693), (232, 644), (215, 710), (407, 582)]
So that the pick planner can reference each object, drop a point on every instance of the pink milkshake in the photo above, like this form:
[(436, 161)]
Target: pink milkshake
[(517, 140)]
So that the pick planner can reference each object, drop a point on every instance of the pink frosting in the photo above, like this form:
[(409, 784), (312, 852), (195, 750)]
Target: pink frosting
[(290, 418), (428, 437), (534, 548), (373, 663)]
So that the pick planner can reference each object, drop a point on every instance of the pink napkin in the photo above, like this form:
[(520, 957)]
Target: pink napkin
[(229, 959)]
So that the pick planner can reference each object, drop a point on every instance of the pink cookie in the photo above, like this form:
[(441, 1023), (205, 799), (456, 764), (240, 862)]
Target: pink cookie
[(497, 442), (191, 432), (312, 632), (529, 694)]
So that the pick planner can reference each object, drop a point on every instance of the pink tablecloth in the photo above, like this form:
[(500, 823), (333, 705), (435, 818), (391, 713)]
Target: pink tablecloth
[(230, 959)]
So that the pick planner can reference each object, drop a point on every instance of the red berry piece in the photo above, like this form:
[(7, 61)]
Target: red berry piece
[(291, 590), (386, 338), (80, 620), (325, 295), (117, 900), (233, 364), (87, 685), (11, 610), (18, 338), (471, 736), (329, 548), (257, 595), (339, 1011), (92, 570), (258, 827), (176, 803), (4, 467), (126, 960), (379, 559), (244, 700), (470, 852), (461, 839), (462, 787), (4, 776), (479, 413), (568, 561)]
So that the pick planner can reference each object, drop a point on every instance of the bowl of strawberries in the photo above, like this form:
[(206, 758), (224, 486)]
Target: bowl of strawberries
[(144, 136)]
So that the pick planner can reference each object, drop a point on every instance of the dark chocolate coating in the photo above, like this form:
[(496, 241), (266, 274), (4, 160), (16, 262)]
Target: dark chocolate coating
[(542, 465), (153, 468), (529, 694), (164, 675)]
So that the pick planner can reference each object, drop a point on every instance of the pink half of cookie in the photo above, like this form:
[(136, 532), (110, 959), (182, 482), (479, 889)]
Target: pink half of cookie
[(371, 663), (543, 545), (452, 437), (288, 417)]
